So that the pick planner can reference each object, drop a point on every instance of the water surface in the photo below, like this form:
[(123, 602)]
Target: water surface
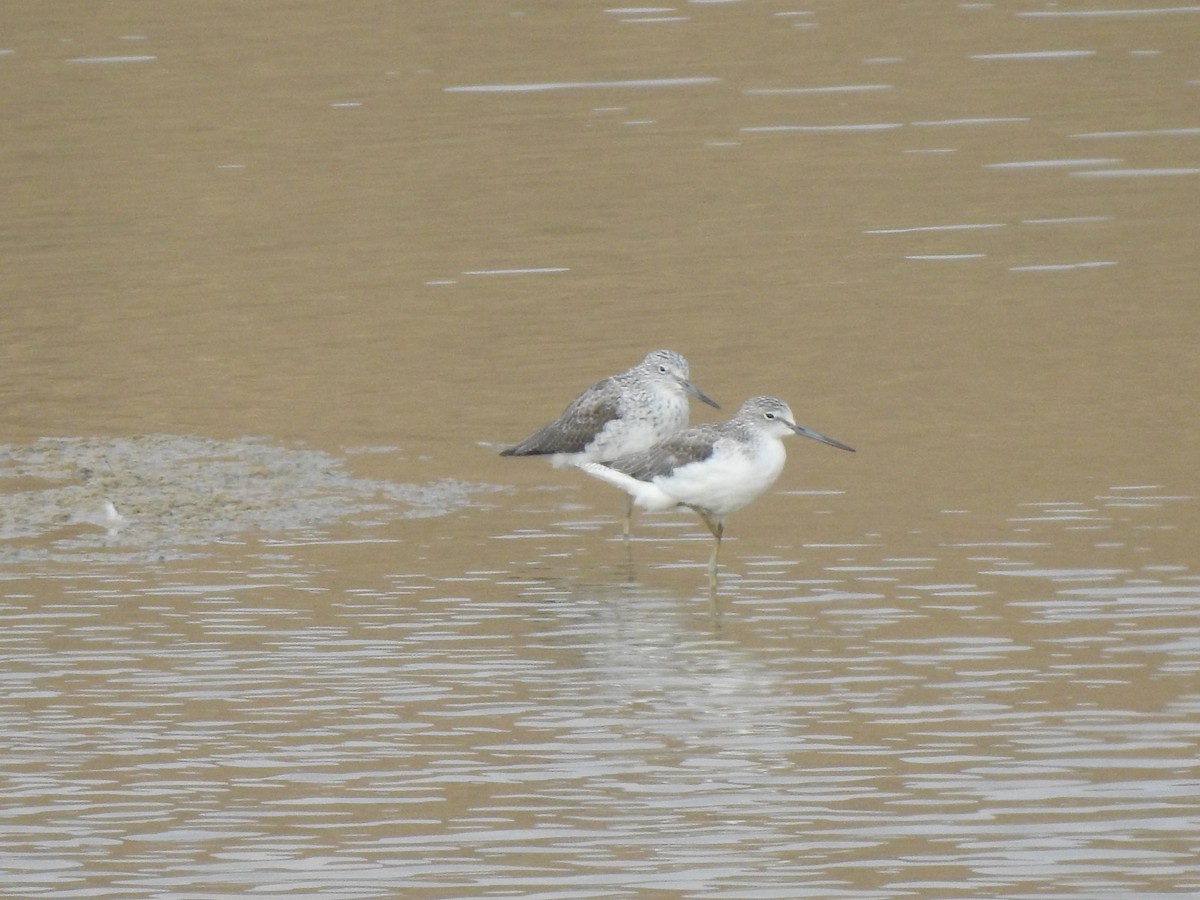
[(278, 287)]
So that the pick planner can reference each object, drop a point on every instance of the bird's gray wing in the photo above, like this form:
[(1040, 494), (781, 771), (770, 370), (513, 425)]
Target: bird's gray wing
[(689, 445), (572, 431)]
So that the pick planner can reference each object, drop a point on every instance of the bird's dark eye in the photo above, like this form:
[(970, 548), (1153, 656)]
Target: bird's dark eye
[(662, 369), (768, 415)]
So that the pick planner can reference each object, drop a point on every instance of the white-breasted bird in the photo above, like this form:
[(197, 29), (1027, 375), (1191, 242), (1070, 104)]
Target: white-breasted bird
[(713, 469)]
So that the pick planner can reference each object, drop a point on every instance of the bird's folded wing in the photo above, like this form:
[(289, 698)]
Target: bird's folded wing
[(690, 445), (574, 429)]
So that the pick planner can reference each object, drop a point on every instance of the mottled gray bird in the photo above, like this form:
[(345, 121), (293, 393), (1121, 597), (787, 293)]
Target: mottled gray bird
[(620, 415), (712, 469)]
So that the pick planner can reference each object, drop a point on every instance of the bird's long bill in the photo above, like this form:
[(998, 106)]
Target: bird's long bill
[(699, 394), (809, 433)]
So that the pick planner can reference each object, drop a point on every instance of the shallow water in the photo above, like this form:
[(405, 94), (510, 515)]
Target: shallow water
[(324, 717), (280, 285)]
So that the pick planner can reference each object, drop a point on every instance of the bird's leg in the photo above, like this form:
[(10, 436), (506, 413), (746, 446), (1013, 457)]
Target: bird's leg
[(712, 560), (628, 516), (717, 527)]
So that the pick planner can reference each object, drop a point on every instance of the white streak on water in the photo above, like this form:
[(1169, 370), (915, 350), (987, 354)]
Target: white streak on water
[(109, 60), (1135, 173), (977, 120), (1053, 163), (1035, 54), (1105, 13), (916, 228), (1063, 267), (1145, 132)]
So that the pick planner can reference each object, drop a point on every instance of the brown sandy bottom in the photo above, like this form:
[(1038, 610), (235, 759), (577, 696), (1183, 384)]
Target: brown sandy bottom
[(165, 496)]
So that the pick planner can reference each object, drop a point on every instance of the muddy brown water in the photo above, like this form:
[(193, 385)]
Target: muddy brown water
[(279, 282)]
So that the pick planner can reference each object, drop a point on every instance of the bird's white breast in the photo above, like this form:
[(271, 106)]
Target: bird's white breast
[(732, 477), (651, 418)]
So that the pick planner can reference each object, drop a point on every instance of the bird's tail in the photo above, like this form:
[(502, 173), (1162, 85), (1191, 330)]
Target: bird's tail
[(644, 494), (618, 479)]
